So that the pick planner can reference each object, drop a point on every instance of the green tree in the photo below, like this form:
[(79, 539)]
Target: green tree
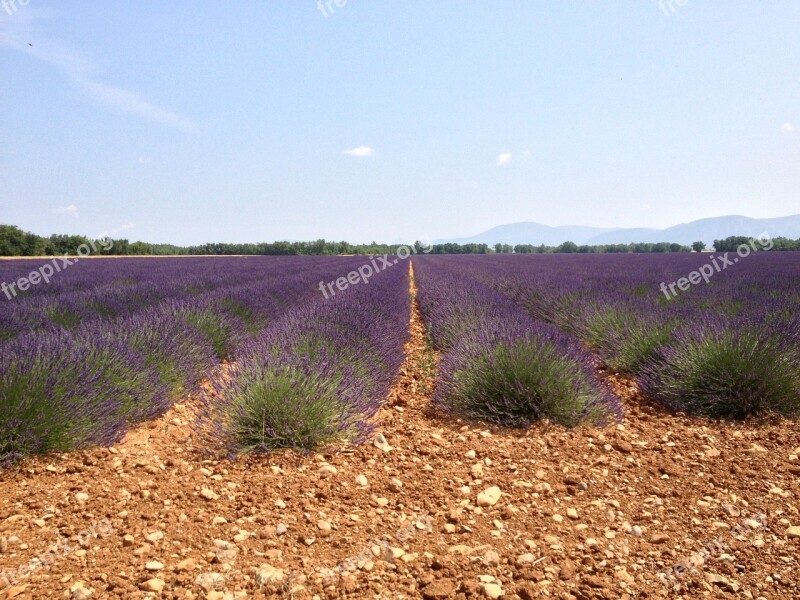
[(567, 247)]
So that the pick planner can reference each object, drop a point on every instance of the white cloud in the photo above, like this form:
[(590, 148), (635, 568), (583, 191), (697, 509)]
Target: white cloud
[(122, 228), (70, 210), (145, 160), (361, 152), (82, 71), (503, 159), (787, 128)]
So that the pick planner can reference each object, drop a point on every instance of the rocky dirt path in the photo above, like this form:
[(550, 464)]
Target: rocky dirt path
[(431, 508)]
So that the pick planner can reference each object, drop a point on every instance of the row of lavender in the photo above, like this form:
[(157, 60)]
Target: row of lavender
[(112, 288), (500, 365), (315, 377), (71, 387), (725, 345)]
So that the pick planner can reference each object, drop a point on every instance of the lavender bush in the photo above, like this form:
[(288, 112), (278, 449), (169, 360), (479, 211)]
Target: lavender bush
[(317, 375), (501, 366), (726, 369), (62, 393)]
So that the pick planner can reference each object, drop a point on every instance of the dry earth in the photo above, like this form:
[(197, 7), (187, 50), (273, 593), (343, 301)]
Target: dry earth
[(444, 510)]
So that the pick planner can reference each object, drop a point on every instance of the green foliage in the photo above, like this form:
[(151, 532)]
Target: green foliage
[(31, 415), (519, 384), (460, 249), (728, 374), (567, 248), (698, 246), (59, 245), (64, 318), (73, 397), (15, 242), (219, 331), (624, 341), (283, 409), (572, 248), (730, 244)]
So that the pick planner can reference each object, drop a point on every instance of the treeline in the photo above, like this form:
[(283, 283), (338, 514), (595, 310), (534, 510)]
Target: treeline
[(316, 248), (15, 242), (573, 248), (328, 248), (730, 244)]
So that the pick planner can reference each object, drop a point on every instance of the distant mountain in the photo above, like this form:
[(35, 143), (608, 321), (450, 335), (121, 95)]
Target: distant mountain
[(531, 233), (706, 230)]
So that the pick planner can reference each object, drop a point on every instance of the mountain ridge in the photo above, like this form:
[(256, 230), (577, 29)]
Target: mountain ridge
[(706, 230)]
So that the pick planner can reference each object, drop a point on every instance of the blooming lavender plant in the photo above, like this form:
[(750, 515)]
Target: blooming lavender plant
[(500, 365), (60, 393), (316, 376), (727, 368)]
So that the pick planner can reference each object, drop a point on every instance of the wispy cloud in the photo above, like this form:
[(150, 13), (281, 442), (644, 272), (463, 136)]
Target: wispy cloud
[(361, 152), (145, 160), (503, 159), (122, 228), (82, 71), (70, 210), (787, 128), (133, 103)]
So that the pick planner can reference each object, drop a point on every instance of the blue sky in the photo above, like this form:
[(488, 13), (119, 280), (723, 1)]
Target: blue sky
[(199, 121)]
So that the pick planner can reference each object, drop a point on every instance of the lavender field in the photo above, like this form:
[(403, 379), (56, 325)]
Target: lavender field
[(727, 346), (111, 343)]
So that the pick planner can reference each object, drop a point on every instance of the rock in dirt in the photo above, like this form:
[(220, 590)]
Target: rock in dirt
[(489, 496), (439, 590), (209, 581), (722, 583), (79, 591), (153, 585), (269, 575), (659, 538), (381, 443), (188, 565), (225, 552), (209, 494), (793, 533)]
